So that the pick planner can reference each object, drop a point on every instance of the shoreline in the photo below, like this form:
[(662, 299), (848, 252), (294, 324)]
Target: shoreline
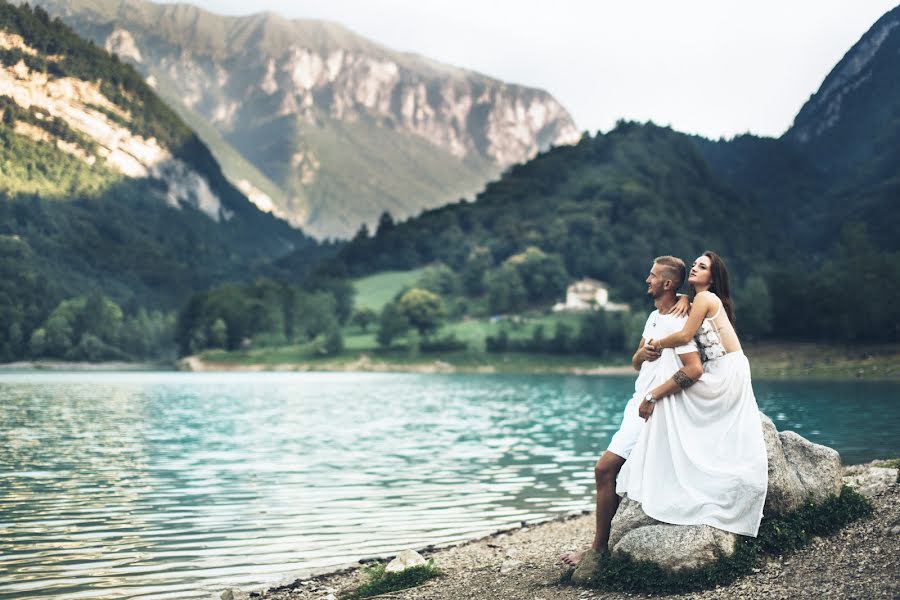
[(365, 364), (768, 360), (520, 562), (62, 365)]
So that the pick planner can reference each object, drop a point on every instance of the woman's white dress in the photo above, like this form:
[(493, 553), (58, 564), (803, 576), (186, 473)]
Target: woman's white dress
[(701, 457)]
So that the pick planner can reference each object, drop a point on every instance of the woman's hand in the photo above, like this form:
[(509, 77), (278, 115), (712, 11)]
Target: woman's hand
[(647, 354), (681, 308), (655, 346), (646, 409)]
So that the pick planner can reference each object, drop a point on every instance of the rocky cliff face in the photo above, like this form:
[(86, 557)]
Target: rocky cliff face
[(856, 106), (297, 99), (100, 135)]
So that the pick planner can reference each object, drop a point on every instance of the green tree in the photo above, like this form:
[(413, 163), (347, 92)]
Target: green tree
[(755, 309), (505, 290), (59, 335), (37, 345), (477, 264), (364, 317), (423, 309), (544, 276), (563, 341), (392, 324), (218, 334), (440, 279)]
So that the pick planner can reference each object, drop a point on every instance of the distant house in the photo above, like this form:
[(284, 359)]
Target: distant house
[(588, 294)]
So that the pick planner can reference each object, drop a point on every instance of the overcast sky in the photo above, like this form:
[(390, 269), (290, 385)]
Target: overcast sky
[(714, 67)]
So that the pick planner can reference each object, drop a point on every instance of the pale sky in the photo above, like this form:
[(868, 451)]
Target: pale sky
[(714, 67)]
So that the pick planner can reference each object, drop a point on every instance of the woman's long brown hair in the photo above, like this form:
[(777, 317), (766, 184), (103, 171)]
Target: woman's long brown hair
[(719, 283)]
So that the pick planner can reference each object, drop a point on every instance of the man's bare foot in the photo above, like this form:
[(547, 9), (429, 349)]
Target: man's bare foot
[(572, 558)]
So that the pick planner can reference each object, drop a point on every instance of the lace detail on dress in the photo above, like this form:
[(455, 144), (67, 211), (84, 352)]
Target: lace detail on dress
[(708, 342)]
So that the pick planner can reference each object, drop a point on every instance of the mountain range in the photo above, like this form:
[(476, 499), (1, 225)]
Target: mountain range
[(318, 124), (615, 200)]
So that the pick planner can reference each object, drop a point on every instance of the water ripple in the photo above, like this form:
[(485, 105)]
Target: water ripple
[(177, 485)]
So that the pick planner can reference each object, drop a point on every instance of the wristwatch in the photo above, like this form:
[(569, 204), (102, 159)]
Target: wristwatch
[(649, 398)]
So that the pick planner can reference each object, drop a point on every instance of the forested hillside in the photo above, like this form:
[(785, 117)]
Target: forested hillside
[(604, 206), (104, 192)]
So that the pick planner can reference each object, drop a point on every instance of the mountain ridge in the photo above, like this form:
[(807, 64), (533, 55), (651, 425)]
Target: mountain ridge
[(245, 74)]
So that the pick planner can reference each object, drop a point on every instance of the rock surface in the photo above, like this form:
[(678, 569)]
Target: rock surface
[(678, 547), (798, 469), (871, 479)]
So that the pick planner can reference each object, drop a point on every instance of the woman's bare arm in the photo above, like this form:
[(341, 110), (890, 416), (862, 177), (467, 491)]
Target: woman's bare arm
[(701, 306)]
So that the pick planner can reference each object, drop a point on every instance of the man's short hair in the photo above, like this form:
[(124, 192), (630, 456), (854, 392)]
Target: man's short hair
[(674, 269)]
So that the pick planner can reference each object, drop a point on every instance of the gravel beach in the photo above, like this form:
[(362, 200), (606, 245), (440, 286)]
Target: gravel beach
[(861, 561)]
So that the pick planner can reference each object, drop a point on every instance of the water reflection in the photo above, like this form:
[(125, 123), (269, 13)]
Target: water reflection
[(176, 485)]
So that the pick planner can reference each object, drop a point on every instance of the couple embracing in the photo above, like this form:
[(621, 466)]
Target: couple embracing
[(690, 448)]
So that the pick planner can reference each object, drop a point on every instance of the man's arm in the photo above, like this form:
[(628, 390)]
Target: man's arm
[(683, 378), (643, 353)]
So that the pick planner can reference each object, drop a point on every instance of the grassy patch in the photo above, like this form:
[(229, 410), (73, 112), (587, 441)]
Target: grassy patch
[(377, 290), (781, 360), (779, 535), (381, 582)]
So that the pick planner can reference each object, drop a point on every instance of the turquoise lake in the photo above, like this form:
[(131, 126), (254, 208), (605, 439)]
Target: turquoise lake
[(179, 485)]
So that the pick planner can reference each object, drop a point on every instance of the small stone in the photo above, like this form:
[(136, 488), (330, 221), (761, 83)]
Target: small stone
[(510, 565), (405, 560), (895, 530)]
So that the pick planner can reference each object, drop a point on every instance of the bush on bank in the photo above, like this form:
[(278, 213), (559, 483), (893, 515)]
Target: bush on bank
[(382, 582)]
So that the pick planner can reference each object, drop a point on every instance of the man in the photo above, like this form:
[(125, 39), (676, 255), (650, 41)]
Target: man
[(661, 374)]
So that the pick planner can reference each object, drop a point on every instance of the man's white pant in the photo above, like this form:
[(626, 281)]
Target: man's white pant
[(625, 438)]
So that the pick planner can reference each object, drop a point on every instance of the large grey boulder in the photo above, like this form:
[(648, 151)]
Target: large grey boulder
[(628, 517), (798, 469), (678, 547)]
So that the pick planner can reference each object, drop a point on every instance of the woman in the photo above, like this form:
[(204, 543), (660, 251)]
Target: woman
[(701, 458)]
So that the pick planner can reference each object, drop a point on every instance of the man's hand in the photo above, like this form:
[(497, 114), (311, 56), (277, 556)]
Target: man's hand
[(646, 409), (648, 353)]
